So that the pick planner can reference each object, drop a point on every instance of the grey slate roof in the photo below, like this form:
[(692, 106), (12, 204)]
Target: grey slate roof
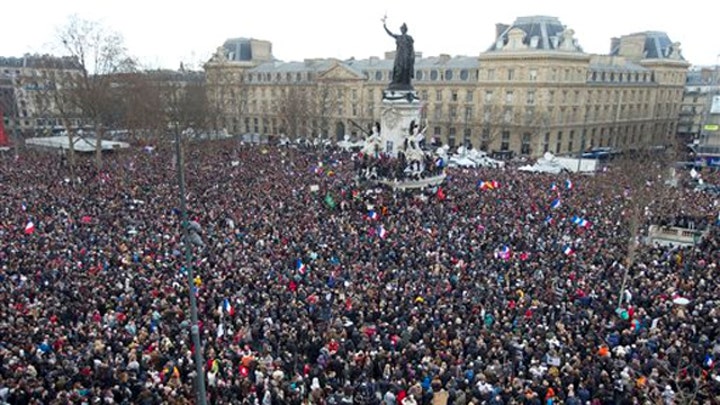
[(543, 27), (657, 45)]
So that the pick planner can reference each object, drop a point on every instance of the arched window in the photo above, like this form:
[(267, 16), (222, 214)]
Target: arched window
[(448, 74), (433, 75), (419, 75), (464, 75), (378, 75)]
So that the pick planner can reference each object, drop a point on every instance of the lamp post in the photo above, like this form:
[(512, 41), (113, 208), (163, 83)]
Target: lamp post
[(194, 328)]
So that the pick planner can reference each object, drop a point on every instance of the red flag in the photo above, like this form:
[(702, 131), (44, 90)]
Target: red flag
[(440, 194)]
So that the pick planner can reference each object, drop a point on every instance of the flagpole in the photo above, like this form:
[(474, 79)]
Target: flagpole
[(194, 328)]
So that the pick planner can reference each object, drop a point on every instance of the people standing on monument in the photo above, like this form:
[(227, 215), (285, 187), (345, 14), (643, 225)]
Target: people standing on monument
[(404, 67)]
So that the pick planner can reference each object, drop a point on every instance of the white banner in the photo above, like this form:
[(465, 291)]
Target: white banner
[(715, 107)]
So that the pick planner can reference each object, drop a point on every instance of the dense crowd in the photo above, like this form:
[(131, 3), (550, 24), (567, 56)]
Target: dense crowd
[(500, 287)]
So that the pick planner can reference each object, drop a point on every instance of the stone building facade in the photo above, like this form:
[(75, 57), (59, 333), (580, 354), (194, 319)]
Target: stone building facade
[(26, 96), (534, 90), (702, 85)]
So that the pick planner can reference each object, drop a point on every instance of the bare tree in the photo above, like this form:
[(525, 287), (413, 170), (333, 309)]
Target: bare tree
[(54, 97), (139, 104), (100, 54), (643, 169), (323, 103), (293, 108)]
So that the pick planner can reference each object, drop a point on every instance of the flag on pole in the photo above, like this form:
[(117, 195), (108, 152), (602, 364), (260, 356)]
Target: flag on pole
[(300, 267), (227, 307), (382, 233), (568, 250), (30, 228), (568, 184)]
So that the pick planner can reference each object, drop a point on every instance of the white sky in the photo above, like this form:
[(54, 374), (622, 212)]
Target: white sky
[(163, 33)]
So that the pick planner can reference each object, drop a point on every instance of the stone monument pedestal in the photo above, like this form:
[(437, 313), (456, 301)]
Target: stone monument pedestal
[(399, 109)]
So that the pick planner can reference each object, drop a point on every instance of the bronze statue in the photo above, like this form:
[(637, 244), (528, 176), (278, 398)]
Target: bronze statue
[(404, 67)]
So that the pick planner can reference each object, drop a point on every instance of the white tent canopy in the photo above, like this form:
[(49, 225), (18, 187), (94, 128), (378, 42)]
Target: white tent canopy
[(80, 144)]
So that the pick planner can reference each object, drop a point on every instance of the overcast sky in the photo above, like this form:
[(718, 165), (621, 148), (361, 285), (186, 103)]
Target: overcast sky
[(163, 33)]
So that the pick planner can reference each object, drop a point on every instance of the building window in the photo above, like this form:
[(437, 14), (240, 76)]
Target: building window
[(571, 138), (485, 139), (467, 134), (511, 74), (437, 113), (424, 95), (419, 75), (378, 75), (558, 142), (505, 141), (468, 113), (438, 95), (508, 97), (448, 74), (531, 97), (507, 115), (433, 75), (546, 142), (453, 112), (491, 74), (437, 131), (533, 75), (488, 96), (525, 146), (464, 75), (469, 96), (454, 95)]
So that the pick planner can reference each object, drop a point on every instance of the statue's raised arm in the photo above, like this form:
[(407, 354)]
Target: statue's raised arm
[(388, 31), (404, 67)]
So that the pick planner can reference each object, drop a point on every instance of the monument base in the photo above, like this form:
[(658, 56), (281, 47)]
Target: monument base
[(399, 110)]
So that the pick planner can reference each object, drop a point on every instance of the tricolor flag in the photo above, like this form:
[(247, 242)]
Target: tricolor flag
[(568, 250), (553, 187), (382, 233), (24, 206), (708, 362), (555, 204), (372, 215), (227, 307), (581, 222), (568, 184), (30, 228), (300, 266), (549, 219)]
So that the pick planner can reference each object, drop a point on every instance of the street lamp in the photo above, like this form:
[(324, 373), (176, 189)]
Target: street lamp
[(188, 235)]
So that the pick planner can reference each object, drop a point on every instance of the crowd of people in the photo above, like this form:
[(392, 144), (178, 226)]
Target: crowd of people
[(499, 287)]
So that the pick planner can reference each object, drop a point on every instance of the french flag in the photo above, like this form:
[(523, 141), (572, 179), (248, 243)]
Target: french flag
[(709, 362), (581, 222), (372, 215), (568, 250), (30, 228), (555, 204), (24, 206), (549, 220), (382, 233), (227, 307), (504, 253), (568, 184), (553, 187), (300, 266)]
